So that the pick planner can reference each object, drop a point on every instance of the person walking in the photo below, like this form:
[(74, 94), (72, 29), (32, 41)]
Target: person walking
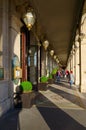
[(68, 75), (71, 81), (58, 76)]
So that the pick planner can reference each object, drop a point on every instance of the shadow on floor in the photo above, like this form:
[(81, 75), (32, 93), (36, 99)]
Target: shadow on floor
[(56, 118), (10, 121), (73, 98), (63, 84)]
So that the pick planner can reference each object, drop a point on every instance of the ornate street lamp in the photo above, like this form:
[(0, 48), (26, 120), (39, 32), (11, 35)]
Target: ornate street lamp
[(57, 60), (54, 56), (29, 18), (30, 51), (52, 52), (45, 44)]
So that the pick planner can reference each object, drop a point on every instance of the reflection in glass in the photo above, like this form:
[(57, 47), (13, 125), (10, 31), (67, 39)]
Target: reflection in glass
[(35, 58)]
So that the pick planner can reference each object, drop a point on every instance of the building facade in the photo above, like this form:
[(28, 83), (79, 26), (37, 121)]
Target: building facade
[(20, 50)]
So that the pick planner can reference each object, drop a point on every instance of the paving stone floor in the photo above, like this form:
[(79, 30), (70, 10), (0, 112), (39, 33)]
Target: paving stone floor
[(58, 108)]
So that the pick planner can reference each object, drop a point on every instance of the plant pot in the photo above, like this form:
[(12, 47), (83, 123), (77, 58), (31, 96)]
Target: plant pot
[(28, 99), (42, 86), (50, 81)]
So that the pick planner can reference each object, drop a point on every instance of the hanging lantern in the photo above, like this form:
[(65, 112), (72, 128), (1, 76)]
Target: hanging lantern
[(30, 51), (57, 60), (54, 56), (29, 18), (52, 52), (45, 44)]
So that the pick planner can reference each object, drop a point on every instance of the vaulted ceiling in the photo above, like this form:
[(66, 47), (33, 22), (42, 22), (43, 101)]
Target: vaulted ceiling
[(57, 21)]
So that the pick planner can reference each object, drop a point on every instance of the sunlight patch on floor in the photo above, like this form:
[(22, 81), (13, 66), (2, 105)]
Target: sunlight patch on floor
[(73, 110)]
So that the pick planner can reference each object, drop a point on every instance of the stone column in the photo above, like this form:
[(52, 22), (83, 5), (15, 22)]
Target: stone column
[(83, 66), (5, 97), (50, 64), (77, 74), (43, 62), (83, 50), (68, 66)]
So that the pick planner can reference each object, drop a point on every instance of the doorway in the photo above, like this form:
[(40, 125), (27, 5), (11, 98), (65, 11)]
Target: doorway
[(29, 58)]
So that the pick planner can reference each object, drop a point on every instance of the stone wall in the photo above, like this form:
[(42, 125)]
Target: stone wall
[(9, 45)]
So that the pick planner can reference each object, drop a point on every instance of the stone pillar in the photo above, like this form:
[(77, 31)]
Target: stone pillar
[(74, 71), (5, 95), (43, 62), (83, 50), (71, 63), (68, 66), (73, 53), (50, 64), (77, 74), (83, 66)]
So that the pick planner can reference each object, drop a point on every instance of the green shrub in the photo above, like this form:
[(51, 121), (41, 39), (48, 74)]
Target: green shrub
[(26, 86), (50, 76), (54, 70), (43, 79)]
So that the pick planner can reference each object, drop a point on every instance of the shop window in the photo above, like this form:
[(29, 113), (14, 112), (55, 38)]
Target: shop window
[(1, 55)]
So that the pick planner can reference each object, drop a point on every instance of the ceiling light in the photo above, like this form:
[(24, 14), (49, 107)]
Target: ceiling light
[(54, 56), (52, 52), (29, 18), (45, 44)]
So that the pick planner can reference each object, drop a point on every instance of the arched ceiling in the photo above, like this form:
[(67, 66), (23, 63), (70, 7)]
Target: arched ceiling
[(57, 20)]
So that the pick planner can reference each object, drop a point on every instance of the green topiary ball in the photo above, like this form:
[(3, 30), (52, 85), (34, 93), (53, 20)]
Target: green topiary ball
[(26, 86), (43, 79), (54, 70)]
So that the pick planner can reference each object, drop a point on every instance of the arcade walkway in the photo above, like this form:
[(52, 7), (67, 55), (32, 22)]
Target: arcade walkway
[(58, 108)]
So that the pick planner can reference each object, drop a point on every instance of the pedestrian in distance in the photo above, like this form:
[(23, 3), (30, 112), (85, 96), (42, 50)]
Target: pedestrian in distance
[(71, 81)]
